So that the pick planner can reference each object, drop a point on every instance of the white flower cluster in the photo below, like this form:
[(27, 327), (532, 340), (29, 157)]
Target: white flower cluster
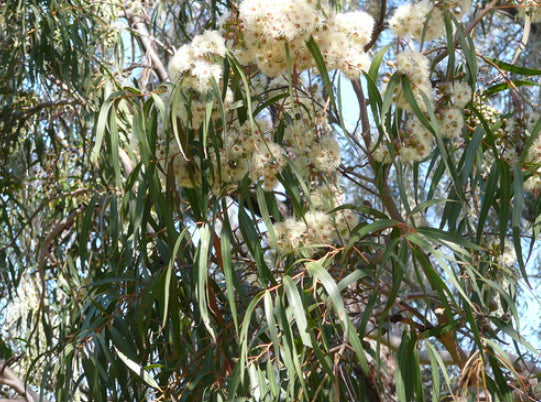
[(272, 29), (425, 20), (267, 161), (317, 228), (505, 257), (271, 25), (461, 94), (249, 149), (195, 66), (416, 19), (533, 157), (342, 39), (269, 35), (416, 67), (314, 149), (415, 142), (451, 122), (195, 63)]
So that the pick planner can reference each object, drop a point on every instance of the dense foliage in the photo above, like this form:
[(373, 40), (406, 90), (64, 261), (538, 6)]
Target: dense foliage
[(293, 200)]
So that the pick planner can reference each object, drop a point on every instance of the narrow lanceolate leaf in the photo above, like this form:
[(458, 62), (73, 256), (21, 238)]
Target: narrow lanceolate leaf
[(409, 381), (168, 273), (201, 266), (427, 204), (467, 162), (518, 207), (527, 71), (137, 369), (316, 269), (320, 63), (101, 126), (229, 272), (295, 302), (373, 71), (502, 86), (245, 327)]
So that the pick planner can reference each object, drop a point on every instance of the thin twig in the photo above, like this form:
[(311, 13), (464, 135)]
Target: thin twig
[(40, 208), (378, 27)]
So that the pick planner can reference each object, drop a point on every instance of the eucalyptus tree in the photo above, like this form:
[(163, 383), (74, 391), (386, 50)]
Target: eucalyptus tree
[(289, 200)]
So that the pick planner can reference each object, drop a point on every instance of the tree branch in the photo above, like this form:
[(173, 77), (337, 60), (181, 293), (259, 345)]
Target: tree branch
[(384, 189), (393, 342), (38, 210), (44, 250), (378, 27), (9, 378), (447, 339), (148, 45), (46, 243)]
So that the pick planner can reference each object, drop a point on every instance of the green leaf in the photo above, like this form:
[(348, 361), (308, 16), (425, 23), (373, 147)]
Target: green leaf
[(316, 269), (513, 68), (201, 275), (409, 381), (227, 266), (167, 276), (429, 203), (298, 309), (467, 161), (442, 237), (502, 86), (320, 64), (137, 369), (101, 125), (373, 71), (245, 327)]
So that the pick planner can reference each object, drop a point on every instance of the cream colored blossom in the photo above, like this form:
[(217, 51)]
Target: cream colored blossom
[(451, 123), (381, 154), (320, 227), (416, 141), (270, 26), (341, 40), (267, 162), (416, 67), (533, 155), (326, 155), (533, 183), (416, 19), (181, 62), (290, 235), (356, 25), (209, 43), (462, 94), (354, 63), (345, 221), (326, 197), (195, 62)]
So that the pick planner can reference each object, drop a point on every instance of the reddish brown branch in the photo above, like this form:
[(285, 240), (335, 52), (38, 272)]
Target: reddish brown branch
[(378, 27)]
